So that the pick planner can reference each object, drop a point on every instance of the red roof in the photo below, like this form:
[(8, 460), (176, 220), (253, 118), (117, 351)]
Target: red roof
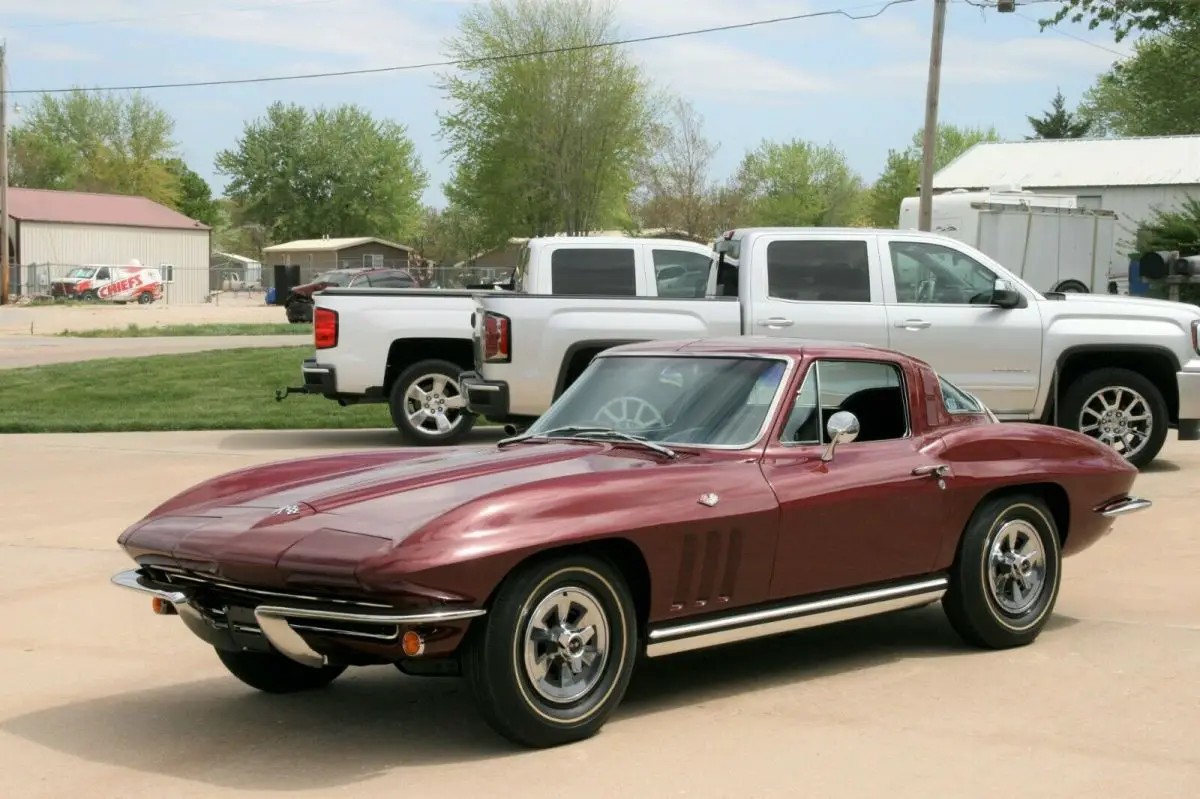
[(80, 208)]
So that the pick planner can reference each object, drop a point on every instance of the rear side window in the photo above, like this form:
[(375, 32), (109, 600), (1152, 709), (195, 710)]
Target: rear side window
[(818, 271), (597, 271)]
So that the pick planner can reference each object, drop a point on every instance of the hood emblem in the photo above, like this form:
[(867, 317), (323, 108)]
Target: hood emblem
[(286, 510), (709, 499)]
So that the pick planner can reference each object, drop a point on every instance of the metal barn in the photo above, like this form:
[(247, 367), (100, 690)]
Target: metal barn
[(1128, 176), (56, 231)]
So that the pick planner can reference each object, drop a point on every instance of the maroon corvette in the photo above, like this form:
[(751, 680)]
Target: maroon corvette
[(679, 495)]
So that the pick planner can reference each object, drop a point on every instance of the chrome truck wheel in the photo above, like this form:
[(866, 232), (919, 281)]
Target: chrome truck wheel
[(1119, 408), (428, 405)]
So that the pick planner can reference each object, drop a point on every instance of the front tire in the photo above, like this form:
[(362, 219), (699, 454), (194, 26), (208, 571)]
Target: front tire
[(1120, 408), (145, 298), (1005, 579), (276, 674), (428, 405), (554, 655)]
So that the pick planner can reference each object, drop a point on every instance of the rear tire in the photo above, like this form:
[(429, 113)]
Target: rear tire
[(276, 674), (145, 298), (1136, 396), (1005, 579), (517, 660), (424, 392)]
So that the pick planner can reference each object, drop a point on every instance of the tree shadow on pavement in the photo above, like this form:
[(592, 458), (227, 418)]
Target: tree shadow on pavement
[(371, 721)]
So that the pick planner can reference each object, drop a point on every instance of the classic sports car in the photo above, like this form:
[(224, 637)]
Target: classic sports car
[(679, 495)]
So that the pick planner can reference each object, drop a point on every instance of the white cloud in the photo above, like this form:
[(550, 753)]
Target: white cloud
[(690, 66)]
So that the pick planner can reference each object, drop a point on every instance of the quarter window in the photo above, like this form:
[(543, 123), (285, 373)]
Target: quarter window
[(934, 274), (598, 271), (680, 273), (872, 390), (818, 271), (956, 400)]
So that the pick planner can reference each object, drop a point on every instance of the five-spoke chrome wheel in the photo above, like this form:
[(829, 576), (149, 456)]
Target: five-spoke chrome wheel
[(566, 645), (1016, 567), (1119, 417)]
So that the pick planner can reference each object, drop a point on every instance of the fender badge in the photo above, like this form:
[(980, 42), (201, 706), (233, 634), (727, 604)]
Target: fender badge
[(709, 499), (286, 510)]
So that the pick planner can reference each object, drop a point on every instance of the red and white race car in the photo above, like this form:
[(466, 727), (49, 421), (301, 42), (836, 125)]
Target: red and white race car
[(130, 283)]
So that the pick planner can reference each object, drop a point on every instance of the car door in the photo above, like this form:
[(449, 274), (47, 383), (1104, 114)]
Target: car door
[(825, 286), (865, 516), (939, 309)]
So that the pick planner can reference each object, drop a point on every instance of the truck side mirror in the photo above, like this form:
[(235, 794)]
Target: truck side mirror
[(1004, 295)]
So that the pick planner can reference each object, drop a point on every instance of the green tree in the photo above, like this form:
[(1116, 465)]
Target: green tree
[(1128, 16), (92, 141), (1058, 122), (550, 143), (194, 197), (798, 183), (1152, 93), (337, 172), (449, 235), (901, 176)]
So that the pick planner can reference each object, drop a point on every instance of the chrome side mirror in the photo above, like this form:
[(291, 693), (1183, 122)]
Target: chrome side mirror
[(842, 428)]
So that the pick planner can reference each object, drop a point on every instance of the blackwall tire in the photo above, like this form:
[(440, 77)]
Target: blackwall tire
[(419, 394), (145, 298), (1011, 540), (503, 656), (276, 674), (1137, 395)]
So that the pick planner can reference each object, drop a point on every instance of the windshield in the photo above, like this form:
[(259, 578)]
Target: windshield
[(680, 400), (81, 271), (333, 278)]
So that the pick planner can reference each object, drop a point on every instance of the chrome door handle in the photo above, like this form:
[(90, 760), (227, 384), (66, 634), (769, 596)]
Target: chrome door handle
[(914, 324), (934, 470), (775, 321)]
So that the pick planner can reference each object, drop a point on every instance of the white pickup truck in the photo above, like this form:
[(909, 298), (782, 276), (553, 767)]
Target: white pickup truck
[(406, 347), (1118, 368)]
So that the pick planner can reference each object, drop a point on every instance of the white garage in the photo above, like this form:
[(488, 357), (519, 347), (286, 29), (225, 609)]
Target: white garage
[(55, 231)]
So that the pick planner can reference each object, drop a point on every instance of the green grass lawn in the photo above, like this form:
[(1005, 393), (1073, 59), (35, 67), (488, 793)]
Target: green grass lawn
[(218, 390), (230, 329)]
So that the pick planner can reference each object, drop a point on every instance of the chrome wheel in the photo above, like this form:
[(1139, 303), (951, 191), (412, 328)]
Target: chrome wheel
[(566, 645), (434, 404), (1016, 567), (628, 413), (1119, 417)]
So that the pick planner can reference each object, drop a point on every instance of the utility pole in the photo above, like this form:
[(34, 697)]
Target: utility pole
[(932, 91), (4, 266)]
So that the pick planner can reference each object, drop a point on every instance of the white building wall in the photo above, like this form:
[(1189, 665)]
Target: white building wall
[(64, 246)]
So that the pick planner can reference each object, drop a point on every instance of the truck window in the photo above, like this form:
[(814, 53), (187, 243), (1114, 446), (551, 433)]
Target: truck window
[(933, 273), (680, 273), (595, 271), (818, 271)]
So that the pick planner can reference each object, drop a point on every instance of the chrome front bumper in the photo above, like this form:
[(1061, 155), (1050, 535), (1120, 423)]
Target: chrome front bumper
[(273, 621), (1120, 507)]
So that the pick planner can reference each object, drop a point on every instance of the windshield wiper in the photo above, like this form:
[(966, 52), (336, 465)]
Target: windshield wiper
[(576, 431)]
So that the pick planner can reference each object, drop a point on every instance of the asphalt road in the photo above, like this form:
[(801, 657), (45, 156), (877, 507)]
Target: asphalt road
[(16, 351), (100, 698)]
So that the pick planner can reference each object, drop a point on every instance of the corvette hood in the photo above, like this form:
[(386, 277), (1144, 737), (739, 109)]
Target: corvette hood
[(305, 526)]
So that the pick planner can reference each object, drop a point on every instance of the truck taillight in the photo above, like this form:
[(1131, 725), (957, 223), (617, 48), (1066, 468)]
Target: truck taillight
[(325, 328), (497, 338)]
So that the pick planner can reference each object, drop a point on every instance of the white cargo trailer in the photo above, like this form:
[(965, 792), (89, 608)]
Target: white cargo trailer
[(1045, 238)]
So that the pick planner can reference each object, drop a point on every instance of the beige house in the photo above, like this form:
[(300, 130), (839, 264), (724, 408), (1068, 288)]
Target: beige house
[(314, 256)]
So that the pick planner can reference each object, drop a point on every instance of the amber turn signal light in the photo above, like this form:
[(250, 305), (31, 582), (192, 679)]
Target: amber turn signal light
[(162, 607), (412, 644)]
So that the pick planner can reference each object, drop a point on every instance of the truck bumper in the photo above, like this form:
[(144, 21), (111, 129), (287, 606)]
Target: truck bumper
[(318, 379), (1189, 403), (485, 398)]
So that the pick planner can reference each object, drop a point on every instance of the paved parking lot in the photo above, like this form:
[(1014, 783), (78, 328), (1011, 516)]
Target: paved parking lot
[(99, 698)]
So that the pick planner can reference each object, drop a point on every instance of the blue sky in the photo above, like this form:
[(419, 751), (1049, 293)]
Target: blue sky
[(859, 84)]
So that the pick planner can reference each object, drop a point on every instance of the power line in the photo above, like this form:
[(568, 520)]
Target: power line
[(1062, 32), (844, 12), (72, 23)]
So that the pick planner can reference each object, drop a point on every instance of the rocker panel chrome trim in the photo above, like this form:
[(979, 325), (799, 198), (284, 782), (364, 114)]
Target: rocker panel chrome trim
[(687, 636)]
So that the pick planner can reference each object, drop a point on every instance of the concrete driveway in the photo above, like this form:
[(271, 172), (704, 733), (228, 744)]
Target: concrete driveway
[(17, 351), (100, 698)]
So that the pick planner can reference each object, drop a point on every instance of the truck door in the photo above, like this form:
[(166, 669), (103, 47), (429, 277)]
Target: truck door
[(939, 310), (827, 286)]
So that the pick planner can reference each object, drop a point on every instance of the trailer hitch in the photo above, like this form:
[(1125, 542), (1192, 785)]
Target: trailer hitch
[(282, 393)]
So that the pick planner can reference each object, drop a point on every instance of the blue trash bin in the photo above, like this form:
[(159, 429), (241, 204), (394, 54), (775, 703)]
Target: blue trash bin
[(271, 296)]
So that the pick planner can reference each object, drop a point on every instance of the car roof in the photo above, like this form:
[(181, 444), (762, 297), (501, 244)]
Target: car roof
[(747, 346)]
